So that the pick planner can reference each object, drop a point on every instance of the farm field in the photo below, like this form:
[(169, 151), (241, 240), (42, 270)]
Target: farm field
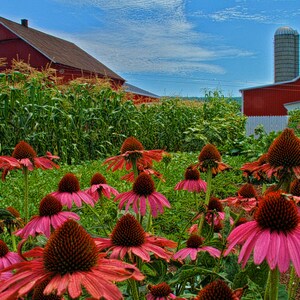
[(104, 199)]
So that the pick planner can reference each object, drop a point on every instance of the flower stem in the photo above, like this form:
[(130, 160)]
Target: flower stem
[(207, 198), (134, 168), (92, 209), (134, 289), (13, 241), (183, 231), (149, 223), (266, 295), (208, 187), (26, 210), (293, 284), (272, 289)]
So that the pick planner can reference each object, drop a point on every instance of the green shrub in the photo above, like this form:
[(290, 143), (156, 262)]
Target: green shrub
[(294, 120)]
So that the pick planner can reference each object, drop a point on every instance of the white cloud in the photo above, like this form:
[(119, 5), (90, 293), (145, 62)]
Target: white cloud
[(150, 36)]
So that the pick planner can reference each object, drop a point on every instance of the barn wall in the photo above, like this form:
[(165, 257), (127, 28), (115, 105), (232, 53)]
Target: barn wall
[(15, 48), (269, 101)]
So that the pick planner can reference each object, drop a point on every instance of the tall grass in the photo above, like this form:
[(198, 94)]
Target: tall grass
[(85, 120)]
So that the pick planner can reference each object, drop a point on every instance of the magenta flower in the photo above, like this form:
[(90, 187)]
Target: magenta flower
[(194, 246), (50, 217), (245, 199), (192, 181), (7, 259), (133, 150), (71, 263), (100, 187), (69, 191), (273, 236), (129, 238), (161, 291), (24, 156), (143, 192)]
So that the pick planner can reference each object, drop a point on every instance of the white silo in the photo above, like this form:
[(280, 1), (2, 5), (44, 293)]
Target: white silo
[(286, 54)]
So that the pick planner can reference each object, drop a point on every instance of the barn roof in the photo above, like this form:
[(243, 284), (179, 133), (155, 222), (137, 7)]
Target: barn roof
[(135, 90), (270, 85), (58, 50)]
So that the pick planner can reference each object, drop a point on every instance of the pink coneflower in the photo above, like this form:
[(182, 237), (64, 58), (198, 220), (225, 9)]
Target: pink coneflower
[(133, 150), (215, 214), (194, 245), (192, 181), (161, 291), (38, 292), (283, 157), (143, 192), (210, 159), (50, 217), (24, 156), (252, 168), (246, 198), (129, 238), (7, 259), (219, 290), (273, 236), (146, 169), (69, 191), (100, 187), (70, 260)]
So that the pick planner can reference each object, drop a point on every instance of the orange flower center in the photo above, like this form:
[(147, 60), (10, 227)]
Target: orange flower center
[(98, 179), (215, 204), (38, 292), (49, 206), (191, 174), (69, 184), (128, 232), (143, 185), (160, 290), (131, 144), (194, 241), (285, 150), (70, 249), (277, 213), (295, 187), (263, 159), (3, 249), (247, 191), (216, 290), (23, 150), (209, 153)]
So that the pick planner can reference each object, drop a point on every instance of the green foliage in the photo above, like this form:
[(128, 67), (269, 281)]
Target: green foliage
[(294, 120), (84, 121), (258, 143), (221, 124)]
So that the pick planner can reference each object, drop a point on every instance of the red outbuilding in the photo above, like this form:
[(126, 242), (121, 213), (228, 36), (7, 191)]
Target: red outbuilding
[(268, 105), (269, 100)]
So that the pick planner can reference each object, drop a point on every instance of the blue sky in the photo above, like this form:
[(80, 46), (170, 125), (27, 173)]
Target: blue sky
[(170, 47)]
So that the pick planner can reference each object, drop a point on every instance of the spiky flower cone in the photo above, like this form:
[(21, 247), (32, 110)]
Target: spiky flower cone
[(283, 158), (216, 290)]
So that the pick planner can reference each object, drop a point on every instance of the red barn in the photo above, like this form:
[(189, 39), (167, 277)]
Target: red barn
[(268, 105), (20, 42), (270, 100)]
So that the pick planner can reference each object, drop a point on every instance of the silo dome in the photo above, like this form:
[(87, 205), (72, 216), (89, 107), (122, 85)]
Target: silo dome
[(285, 30), (286, 54)]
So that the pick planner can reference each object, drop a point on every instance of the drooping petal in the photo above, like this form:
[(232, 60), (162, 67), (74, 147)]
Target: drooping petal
[(261, 247)]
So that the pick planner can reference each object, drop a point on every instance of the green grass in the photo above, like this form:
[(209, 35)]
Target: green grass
[(183, 203)]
